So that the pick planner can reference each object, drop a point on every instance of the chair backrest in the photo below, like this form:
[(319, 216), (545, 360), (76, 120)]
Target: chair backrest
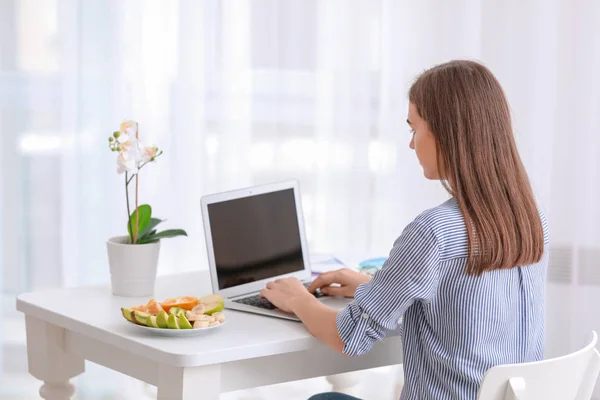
[(568, 377)]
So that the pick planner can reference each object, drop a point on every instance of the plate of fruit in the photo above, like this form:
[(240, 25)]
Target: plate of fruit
[(182, 316)]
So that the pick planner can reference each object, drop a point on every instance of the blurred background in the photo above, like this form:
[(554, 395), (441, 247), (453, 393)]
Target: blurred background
[(239, 93)]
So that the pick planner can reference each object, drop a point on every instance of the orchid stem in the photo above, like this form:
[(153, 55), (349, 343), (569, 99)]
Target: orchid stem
[(128, 211), (137, 214), (142, 166)]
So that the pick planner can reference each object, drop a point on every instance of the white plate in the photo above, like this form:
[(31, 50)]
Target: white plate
[(176, 332)]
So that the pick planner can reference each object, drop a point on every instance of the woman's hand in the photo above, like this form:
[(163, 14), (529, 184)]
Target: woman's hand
[(286, 293), (290, 295), (347, 279)]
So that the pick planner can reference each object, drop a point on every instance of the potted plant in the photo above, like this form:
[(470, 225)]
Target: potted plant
[(133, 258)]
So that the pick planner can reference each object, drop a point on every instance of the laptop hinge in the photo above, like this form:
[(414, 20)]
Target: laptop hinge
[(241, 296)]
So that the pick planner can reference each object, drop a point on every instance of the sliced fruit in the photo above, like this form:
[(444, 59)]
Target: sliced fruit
[(188, 302), (140, 317), (184, 323), (199, 309), (201, 324), (176, 311), (153, 307), (168, 303), (219, 316), (197, 317), (127, 314), (172, 322), (184, 312), (185, 302), (190, 316), (213, 303), (151, 322), (162, 319)]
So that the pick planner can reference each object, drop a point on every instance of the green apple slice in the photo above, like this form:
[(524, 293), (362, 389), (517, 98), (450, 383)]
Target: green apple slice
[(176, 311), (162, 319), (151, 322), (127, 314), (213, 303), (184, 323), (140, 317), (172, 322)]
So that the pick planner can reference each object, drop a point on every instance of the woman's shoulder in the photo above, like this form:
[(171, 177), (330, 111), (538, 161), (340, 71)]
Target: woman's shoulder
[(444, 218), (447, 225), (544, 226)]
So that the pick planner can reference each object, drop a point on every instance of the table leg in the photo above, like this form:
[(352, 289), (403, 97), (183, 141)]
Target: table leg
[(344, 383), (48, 360), (189, 383)]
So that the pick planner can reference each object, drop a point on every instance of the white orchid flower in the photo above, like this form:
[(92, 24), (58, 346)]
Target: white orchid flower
[(126, 144), (135, 152), (126, 162), (132, 153), (148, 153), (127, 134), (128, 128)]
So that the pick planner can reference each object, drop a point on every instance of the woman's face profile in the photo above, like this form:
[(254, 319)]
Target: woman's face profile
[(423, 143)]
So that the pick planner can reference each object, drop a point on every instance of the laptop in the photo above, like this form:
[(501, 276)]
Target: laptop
[(254, 236)]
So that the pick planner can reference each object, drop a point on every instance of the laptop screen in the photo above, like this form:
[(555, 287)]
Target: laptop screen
[(255, 238)]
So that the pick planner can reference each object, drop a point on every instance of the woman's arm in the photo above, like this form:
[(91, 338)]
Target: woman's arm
[(290, 295), (319, 320), (410, 274)]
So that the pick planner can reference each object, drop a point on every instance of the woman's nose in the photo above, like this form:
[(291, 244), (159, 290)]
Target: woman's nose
[(412, 143)]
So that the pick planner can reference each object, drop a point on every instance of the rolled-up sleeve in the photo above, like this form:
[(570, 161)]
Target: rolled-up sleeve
[(410, 274)]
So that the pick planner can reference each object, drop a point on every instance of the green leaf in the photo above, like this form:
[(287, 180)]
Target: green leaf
[(145, 212), (149, 229), (169, 233), (147, 240), (149, 234)]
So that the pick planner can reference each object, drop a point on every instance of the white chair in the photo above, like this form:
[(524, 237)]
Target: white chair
[(568, 377)]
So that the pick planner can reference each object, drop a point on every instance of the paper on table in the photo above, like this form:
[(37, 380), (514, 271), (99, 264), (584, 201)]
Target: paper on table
[(320, 263)]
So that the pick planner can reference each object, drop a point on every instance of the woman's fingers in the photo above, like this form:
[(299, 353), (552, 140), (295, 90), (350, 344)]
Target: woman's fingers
[(336, 291), (271, 285), (325, 279)]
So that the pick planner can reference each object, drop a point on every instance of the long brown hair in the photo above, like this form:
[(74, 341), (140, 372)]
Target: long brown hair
[(467, 112)]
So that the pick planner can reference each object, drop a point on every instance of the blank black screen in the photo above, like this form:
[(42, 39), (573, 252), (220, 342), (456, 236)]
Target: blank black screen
[(256, 237)]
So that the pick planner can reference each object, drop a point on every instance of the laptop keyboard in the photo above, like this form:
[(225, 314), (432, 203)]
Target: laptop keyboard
[(257, 301)]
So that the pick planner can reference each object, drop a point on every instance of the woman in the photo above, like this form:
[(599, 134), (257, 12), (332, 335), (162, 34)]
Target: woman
[(471, 298)]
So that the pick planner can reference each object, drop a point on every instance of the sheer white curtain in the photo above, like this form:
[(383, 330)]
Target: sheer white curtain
[(246, 92)]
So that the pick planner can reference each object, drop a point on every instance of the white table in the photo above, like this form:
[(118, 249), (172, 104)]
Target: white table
[(67, 326)]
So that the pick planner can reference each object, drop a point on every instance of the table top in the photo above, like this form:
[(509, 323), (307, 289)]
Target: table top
[(94, 312)]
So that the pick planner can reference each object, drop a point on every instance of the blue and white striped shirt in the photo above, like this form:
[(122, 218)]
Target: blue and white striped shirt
[(455, 326)]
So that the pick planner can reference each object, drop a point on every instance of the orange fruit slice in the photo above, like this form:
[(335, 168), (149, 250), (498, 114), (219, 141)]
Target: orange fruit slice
[(153, 307), (185, 302), (168, 303), (141, 307)]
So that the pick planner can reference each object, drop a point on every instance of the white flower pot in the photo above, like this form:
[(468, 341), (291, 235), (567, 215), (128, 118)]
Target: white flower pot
[(132, 267)]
